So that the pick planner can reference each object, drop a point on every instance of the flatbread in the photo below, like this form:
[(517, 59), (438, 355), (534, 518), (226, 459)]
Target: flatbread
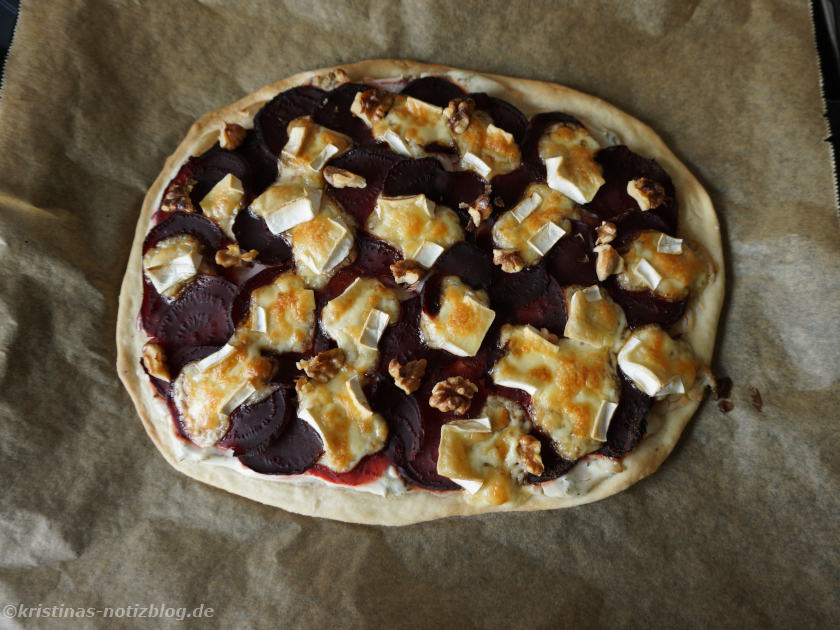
[(311, 496)]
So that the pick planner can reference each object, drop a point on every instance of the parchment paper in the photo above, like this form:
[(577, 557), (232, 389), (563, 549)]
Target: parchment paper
[(739, 527)]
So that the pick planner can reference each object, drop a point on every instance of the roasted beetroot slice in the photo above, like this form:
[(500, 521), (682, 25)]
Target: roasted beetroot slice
[(374, 258), (153, 308), (531, 143), (571, 260), (465, 260), (508, 189), (334, 112), (263, 166), (270, 122), (162, 388), (620, 165), (196, 225), (510, 290), (187, 354), (373, 165), (644, 307), (401, 341), (292, 452), (252, 427), (636, 221), (629, 423), (421, 470), (211, 166), (434, 90), (547, 310), (504, 115), (200, 316), (402, 413), (427, 176), (252, 233)]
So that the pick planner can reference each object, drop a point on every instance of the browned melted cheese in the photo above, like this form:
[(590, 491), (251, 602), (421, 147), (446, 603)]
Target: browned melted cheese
[(679, 273)]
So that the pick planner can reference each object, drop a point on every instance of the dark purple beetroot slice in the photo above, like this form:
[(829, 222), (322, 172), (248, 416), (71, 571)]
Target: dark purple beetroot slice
[(162, 388), (263, 166), (402, 413), (434, 90), (292, 452), (636, 221), (459, 187), (211, 166), (547, 310), (270, 122), (531, 144), (200, 316), (401, 341), (153, 308), (252, 427), (620, 165), (504, 115), (465, 260), (628, 424), (510, 290), (373, 165), (242, 303), (427, 176), (187, 354), (644, 307), (187, 223), (334, 112), (508, 189), (374, 258), (571, 260), (252, 233)]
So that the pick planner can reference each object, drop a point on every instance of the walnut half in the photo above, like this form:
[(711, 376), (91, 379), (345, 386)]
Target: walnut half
[(155, 361), (232, 136), (528, 452), (647, 193), (323, 366), (407, 272), (407, 377), (508, 260), (372, 105), (453, 394), (232, 256), (480, 210), (458, 113), (177, 198), (606, 233), (609, 262)]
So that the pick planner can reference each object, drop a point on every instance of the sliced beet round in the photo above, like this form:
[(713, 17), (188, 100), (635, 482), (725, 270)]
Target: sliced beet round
[(252, 427), (537, 126), (554, 463), (504, 115), (465, 260), (628, 424), (263, 166), (402, 413), (434, 90), (374, 258), (187, 354), (191, 223), (571, 260), (370, 163), (292, 452), (334, 112), (211, 166), (270, 122), (426, 176), (547, 310), (242, 303), (508, 189), (152, 309), (252, 233), (644, 307), (510, 290), (620, 165), (200, 316), (401, 341), (636, 221)]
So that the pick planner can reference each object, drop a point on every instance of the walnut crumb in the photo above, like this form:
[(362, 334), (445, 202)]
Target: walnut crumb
[(508, 260), (341, 178), (609, 262), (232, 256), (458, 114), (231, 136), (373, 104), (155, 361), (407, 377), (647, 193), (606, 233), (330, 81), (528, 452), (407, 272), (177, 197), (480, 210), (323, 366), (453, 394)]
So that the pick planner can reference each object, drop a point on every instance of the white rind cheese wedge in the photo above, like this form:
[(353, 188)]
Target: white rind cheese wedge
[(593, 318), (172, 263)]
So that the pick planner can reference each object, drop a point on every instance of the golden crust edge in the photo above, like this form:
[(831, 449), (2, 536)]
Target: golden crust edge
[(697, 218)]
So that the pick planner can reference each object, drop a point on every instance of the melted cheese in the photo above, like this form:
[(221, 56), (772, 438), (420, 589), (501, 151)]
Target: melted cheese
[(223, 202), (567, 381), (290, 201), (493, 150), (540, 205), (462, 322), (283, 314), (593, 317), (658, 364), (408, 223), (321, 244), (172, 263), (347, 319), (310, 145), (569, 155), (674, 275), (207, 391), (339, 412)]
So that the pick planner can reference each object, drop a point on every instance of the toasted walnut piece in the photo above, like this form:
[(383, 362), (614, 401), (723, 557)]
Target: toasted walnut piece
[(453, 394), (647, 193), (528, 452), (341, 178), (606, 233), (609, 261), (324, 366), (155, 361), (458, 113), (407, 377), (232, 256), (177, 198), (508, 260), (480, 210), (231, 136), (330, 81), (375, 104), (407, 272)]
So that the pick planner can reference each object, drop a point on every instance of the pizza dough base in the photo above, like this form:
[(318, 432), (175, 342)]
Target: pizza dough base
[(697, 221)]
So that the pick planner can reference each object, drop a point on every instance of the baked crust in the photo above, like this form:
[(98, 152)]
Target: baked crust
[(666, 421)]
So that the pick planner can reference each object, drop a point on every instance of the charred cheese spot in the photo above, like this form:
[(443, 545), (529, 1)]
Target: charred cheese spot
[(568, 151), (462, 322), (223, 202), (286, 320), (567, 382), (679, 273)]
